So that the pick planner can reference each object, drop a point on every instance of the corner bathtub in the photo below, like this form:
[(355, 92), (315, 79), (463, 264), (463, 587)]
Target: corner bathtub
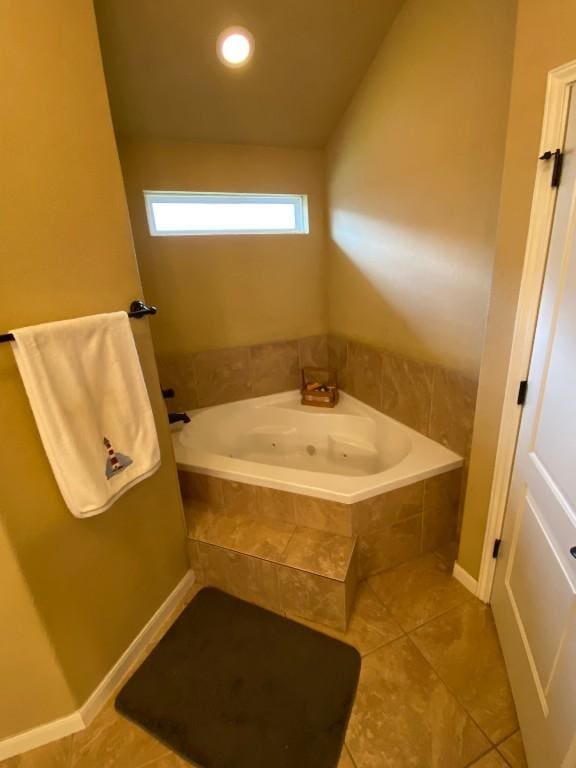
[(347, 454)]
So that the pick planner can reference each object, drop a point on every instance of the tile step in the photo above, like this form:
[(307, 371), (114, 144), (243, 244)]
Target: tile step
[(308, 549), (283, 566)]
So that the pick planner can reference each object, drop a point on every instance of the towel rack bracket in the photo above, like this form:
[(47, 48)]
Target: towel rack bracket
[(139, 309)]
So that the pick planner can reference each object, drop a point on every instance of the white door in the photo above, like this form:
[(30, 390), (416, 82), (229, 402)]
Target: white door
[(534, 595)]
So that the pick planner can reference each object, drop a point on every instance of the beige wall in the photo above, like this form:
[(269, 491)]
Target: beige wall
[(32, 681), (67, 251), (226, 291), (413, 183), (544, 39)]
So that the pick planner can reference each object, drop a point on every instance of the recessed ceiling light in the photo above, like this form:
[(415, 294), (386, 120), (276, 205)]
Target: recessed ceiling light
[(235, 46)]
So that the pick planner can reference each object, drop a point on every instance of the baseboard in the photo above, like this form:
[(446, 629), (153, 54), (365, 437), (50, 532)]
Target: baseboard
[(98, 698), (42, 734), (81, 718), (465, 579)]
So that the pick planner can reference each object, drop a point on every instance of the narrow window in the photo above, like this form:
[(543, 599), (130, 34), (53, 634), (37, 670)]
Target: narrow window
[(219, 213)]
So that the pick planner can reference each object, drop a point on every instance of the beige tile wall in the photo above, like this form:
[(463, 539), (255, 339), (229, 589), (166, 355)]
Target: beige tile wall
[(218, 376), (436, 401), (391, 528), (433, 400)]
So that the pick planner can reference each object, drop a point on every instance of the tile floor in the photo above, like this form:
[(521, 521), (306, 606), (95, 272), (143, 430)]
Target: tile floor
[(433, 690)]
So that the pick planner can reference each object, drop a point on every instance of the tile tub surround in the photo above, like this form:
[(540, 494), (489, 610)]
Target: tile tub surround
[(217, 376), (435, 401), (391, 528)]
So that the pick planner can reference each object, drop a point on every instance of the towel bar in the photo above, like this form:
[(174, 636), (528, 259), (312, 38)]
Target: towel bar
[(137, 309)]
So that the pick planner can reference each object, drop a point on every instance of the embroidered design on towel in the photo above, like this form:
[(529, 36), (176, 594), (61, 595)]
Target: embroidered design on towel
[(115, 462)]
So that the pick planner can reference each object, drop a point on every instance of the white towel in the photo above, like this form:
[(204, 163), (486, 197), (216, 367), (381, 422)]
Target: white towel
[(89, 399)]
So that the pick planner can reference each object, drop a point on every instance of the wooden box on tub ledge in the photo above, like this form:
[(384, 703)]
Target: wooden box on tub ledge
[(319, 387)]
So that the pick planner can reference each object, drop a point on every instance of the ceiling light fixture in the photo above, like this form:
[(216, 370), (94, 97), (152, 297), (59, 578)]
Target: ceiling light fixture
[(235, 46)]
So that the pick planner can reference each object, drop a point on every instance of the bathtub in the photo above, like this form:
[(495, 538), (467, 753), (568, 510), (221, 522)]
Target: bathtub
[(346, 454)]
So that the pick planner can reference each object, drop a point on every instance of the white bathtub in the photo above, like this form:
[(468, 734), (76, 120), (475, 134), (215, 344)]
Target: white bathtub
[(348, 453)]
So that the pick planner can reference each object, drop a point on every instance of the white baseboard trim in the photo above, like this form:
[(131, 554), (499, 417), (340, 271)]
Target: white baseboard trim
[(98, 698), (82, 717), (42, 734), (465, 579)]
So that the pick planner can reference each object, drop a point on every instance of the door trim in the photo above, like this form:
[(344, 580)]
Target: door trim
[(541, 219)]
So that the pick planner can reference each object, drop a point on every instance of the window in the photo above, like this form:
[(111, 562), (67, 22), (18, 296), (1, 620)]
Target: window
[(201, 213)]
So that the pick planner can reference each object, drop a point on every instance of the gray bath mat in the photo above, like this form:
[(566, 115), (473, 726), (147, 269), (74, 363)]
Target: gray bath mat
[(232, 685)]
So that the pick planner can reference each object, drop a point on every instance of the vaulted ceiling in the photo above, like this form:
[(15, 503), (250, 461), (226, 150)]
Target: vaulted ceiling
[(166, 82)]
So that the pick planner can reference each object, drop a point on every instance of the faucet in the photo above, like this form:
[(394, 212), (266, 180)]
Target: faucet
[(174, 417)]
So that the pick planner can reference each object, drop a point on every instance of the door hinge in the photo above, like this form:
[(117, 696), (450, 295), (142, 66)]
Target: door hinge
[(496, 548), (557, 168), (522, 390)]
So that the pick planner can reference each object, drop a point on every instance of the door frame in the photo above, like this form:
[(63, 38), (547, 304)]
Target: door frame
[(556, 109)]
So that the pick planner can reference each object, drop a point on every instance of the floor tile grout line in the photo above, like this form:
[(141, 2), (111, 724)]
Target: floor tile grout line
[(395, 620), (497, 746), (442, 613), (326, 630), (517, 730), (383, 645), (509, 765), (408, 633), (457, 697), (493, 748), (350, 755), (428, 620), (405, 562), (481, 757), (383, 604)]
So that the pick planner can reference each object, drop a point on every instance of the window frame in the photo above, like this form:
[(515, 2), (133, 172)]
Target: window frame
[(300, 203)]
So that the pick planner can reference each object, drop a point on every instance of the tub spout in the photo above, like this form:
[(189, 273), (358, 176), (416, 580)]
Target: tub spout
[(174, 417)]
